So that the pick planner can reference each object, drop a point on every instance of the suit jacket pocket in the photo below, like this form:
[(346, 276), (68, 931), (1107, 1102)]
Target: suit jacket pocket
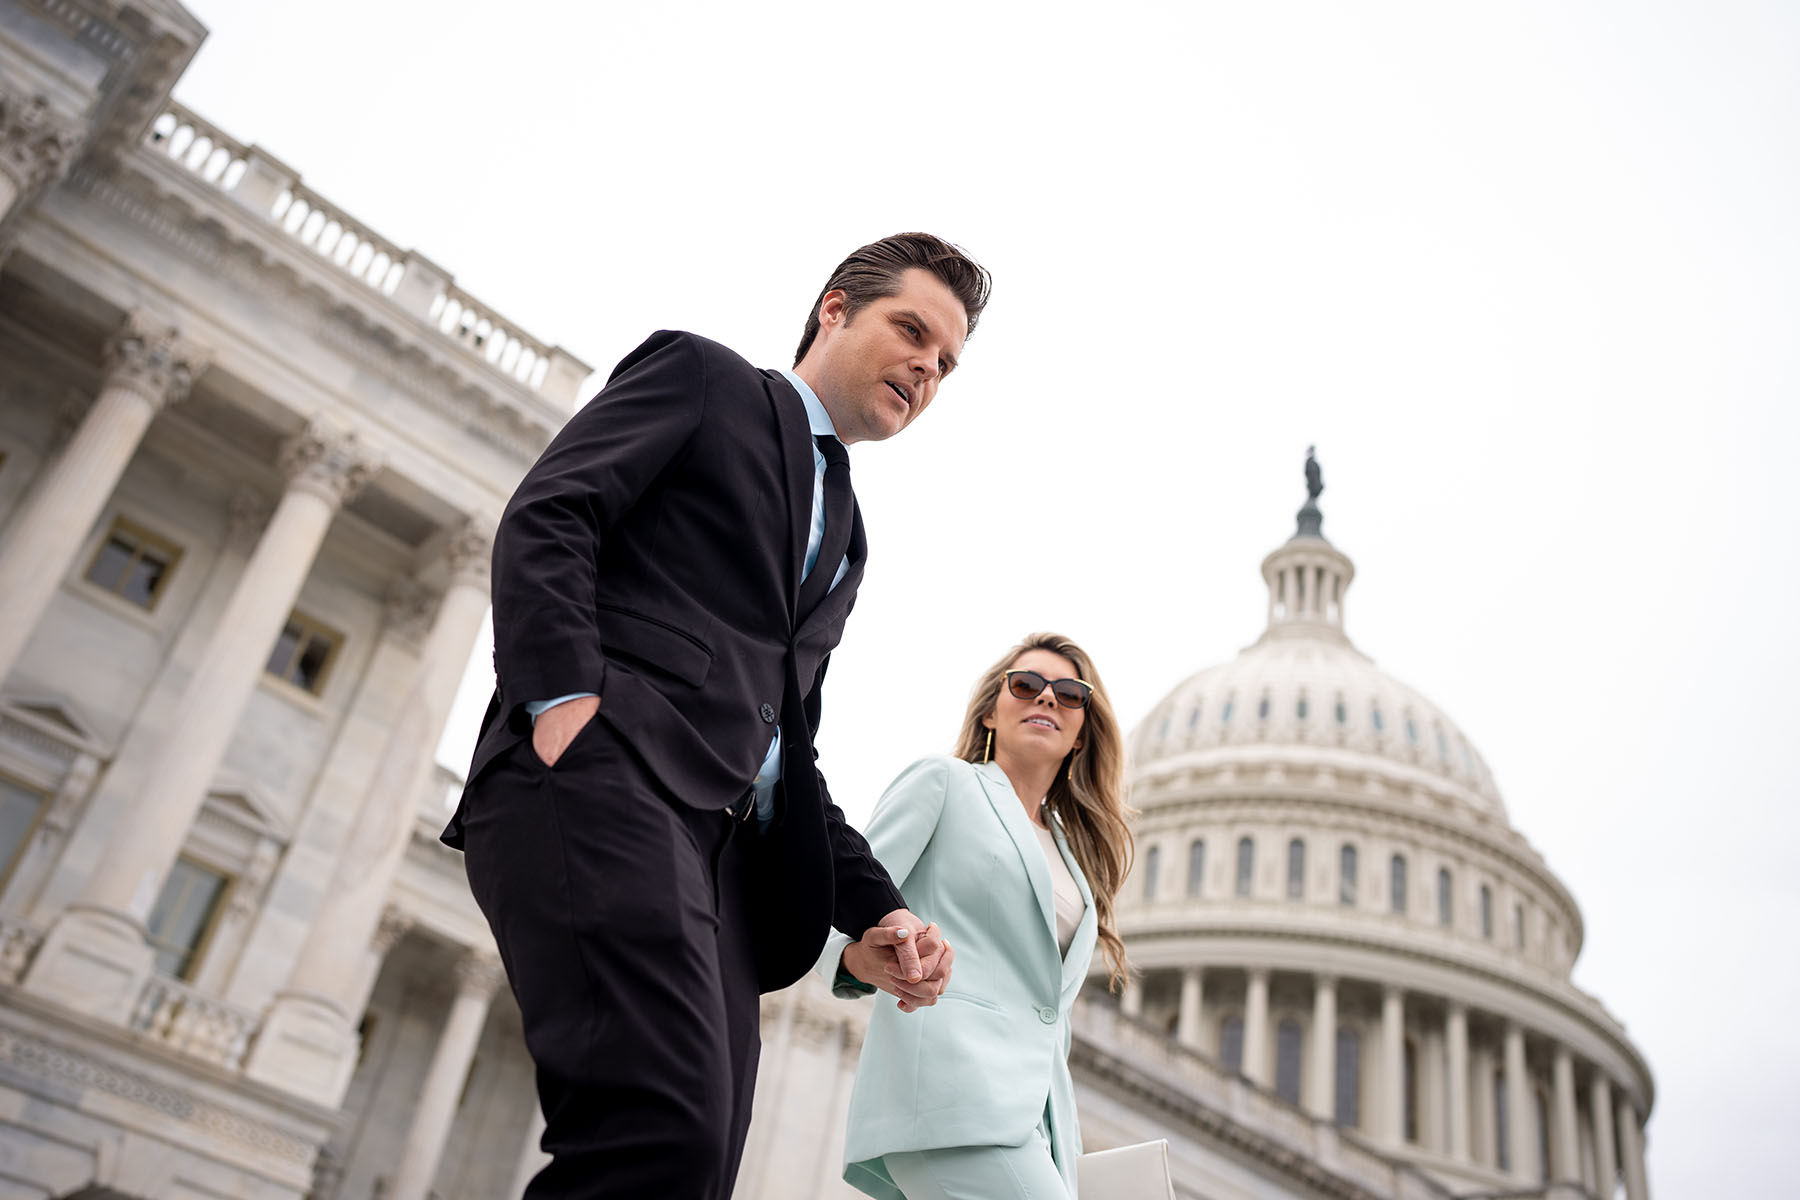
[(656, 644)]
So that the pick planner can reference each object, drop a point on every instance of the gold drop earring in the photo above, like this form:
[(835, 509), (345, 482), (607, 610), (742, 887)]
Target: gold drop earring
[(988, 754)]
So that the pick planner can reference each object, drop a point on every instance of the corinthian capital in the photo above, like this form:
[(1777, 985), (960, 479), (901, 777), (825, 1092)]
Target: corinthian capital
[(148, 357), (478, 973), (36, 145), (331, 463), (470, 552)]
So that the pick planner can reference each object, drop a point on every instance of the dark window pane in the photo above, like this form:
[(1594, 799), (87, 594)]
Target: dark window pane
[(1300, 708), (1502, 1126), (1443, 897), (311, 666), (1397, 884), (1262, 708), (1375, 719), (1410, 1067), (1346, 1108), (19, 807), (283, 654), (1246, 865), (1343, 714), (1225, 713), (1196, 868), (146, 574), (1152, 860), (1296, 881), (1231, 1043), (183, 911), (109, 565), (1287, 1061), (1347, 875), (1487, 912)]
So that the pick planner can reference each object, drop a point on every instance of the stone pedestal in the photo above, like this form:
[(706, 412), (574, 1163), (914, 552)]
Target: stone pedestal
[(93, 960), (307, 1047)]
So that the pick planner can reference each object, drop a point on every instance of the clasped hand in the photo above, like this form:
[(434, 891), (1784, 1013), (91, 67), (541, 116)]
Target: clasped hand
[(904, 957)]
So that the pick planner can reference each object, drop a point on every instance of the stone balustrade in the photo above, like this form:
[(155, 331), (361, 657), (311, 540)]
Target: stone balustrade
[(275, 192), (183, 1019)]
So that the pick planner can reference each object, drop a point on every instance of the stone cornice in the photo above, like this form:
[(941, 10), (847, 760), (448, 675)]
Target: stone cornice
[(36, 144)]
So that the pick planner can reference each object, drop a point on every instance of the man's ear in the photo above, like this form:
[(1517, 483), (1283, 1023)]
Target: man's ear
[(834, 308)]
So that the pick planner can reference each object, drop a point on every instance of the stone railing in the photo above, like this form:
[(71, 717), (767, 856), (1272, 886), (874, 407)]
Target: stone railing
[(273, 191), (19, 941), (180, 1018)]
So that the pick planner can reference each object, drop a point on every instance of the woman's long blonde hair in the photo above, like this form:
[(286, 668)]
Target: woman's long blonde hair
[(1089, 792)]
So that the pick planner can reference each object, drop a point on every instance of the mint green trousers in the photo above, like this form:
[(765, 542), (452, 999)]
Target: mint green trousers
[(1025, 1172)]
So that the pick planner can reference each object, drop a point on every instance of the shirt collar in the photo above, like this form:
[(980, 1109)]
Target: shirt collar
[(818, 421)]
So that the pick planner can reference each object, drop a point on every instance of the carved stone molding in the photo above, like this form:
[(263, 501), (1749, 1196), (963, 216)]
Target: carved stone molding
[(470, 553), (329, 462), (148, 357), (478, 973), (389, 930), (407, 609), (36, 143), (249, 512)]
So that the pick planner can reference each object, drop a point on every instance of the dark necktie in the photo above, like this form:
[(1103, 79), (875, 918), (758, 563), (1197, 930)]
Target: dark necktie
[(836, 538)]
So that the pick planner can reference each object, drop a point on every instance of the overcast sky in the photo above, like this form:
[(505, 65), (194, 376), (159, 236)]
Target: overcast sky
[(1528, 277)]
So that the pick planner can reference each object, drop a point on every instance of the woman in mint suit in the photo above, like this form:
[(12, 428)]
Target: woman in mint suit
[(1014, 848)]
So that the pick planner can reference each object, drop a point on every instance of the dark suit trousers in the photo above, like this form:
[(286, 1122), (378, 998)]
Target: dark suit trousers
[(620, 916)]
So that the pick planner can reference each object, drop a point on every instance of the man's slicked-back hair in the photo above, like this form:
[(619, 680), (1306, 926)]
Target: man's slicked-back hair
[(874, 271)]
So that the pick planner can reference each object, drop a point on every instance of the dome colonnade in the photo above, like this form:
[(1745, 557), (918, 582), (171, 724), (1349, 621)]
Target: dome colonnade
[(1328, 897)]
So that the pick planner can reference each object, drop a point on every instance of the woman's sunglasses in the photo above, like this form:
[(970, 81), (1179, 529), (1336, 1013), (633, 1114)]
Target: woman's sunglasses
[(1029, 685)]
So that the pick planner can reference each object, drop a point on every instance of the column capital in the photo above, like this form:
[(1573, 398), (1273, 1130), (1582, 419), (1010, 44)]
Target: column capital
[(329, 462), (36, 143), (391, 928), (478, 973), (247, 513), (407, 609), (147, 356), (470, 553)]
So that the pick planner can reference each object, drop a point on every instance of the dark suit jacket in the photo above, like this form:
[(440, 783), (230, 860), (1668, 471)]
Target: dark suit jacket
[(653, 556)]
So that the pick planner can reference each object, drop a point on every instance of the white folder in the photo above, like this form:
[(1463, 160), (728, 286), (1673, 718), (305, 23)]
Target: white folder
[(1139, 1172)]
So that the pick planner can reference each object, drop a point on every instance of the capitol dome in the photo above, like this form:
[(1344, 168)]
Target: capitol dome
[(1329, 898)]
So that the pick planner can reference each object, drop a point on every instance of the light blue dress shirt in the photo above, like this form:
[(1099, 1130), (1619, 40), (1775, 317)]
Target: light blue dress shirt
[(819, 422)]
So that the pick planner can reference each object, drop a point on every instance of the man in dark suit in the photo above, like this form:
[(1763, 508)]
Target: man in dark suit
[(643, 823)]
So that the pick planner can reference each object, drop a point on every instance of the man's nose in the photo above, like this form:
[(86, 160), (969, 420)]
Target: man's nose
[(926, 366)]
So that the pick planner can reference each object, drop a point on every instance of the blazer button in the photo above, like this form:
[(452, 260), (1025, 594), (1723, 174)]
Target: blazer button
[(768, 714), (1047, 1015)]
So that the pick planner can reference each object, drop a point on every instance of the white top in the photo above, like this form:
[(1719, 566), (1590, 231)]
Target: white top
[(1069, 906)]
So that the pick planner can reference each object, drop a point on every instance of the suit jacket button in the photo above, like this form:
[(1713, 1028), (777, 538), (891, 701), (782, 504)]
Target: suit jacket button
[(1047, 1015), (768, 714)]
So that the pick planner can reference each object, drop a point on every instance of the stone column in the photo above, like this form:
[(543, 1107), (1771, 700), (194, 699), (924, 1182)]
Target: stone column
[(95, 957), (1187, 1019), (1484, 1129), (1131, 998), (36, 147), (1391, 1128), (325, 991), (1565, 1139), (532, 1158), (1256, 1027), (148, 367), (1321, 1088), (1606, 1153), (1456, 1058), (1521, 1147), (477, 976), (1631, 1151)]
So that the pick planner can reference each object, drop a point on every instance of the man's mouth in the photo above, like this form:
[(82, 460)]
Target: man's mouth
[(900, 392)]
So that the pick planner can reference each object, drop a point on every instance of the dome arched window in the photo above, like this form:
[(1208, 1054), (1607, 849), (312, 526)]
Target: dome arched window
[(1262, 708), (1347, 874), (1518, 926), (1162, 732), (1347, 1083), (1194, 717), (1412, 731), (1225, 713), (1487, 912), (1246, 864), (1196, 875), (1445, 910), (1397, 883), (1152, 861), (1300, 707), (1231, 1042), (1442, 745), (1375, 717), (1343, 710), (1287, 1060), (1296, 877)]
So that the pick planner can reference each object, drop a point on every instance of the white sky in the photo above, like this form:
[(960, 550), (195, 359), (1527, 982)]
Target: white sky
[(1526, 275)]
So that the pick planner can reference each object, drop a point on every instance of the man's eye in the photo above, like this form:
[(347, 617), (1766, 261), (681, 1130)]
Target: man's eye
[(943, 366)]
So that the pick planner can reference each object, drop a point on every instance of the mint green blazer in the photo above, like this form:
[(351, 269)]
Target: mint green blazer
[(985, 1064)]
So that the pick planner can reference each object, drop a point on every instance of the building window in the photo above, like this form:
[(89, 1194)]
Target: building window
[(1409, 1067), (1152, 860), (1196, 867), (304, 652), (1225, 713), (1502, 1125), (20, 808), (1397, 884), (1375, 717), (1412, 732), (1262, 709), (1194, 717), (1343, 712), (1445, 912), (1287, 1060), (1246, 865), (133, 563), (1487, 912), (1345, 1095), (1296, 869), (1300, 708), (1162, 731), (183, 916), (1231, 1043), (1519, 926), (1443, 747), (1347, 875)]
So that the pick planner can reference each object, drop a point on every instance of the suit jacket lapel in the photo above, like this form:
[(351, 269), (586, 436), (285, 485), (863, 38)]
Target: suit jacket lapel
[(797, 458), (1087, 930), (1006, 806)]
